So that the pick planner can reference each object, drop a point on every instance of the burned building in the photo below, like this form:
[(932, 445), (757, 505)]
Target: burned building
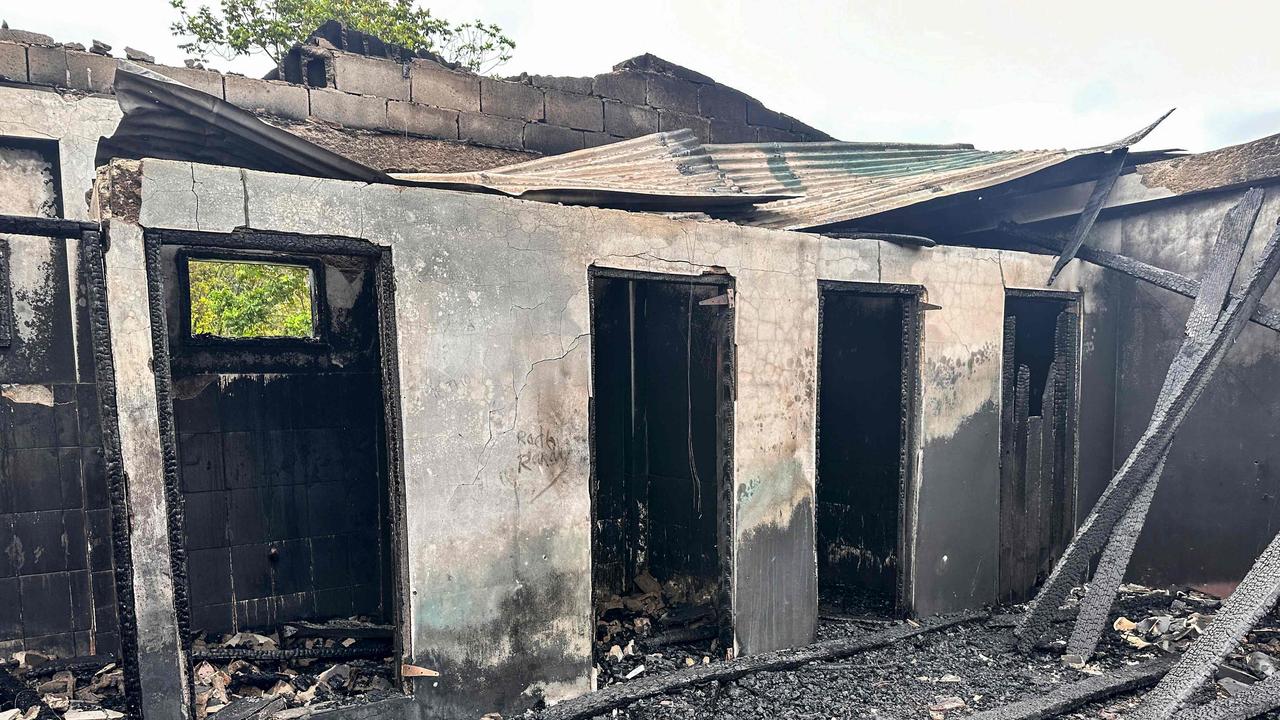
[(579, 361)]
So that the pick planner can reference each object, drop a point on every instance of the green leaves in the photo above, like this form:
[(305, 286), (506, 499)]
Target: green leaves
[(271, 27), (249, 299)]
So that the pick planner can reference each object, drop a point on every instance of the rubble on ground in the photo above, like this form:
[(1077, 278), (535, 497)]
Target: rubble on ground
[(659, 628), (87, 688), (263, 683)]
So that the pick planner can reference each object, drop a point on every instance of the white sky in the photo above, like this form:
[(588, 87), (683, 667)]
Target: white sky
[(1010, 74)]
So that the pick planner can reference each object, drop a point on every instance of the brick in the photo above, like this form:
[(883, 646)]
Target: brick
[(434, 84), (581, 112), (415, 119), (722, 103), (94, 73), (353, 111), (768, 134), (509, 99), (47, 65), (629, 120), (669, 93), (205, 81), (761, 116), (580, 85), (596, 139), (732, 132), (370, 76), (668, 120), (629, 87), (13, 62), (268, 96), (551, 139), (491, 130)]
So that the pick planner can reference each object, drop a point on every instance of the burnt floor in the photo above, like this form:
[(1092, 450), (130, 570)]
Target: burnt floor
[(975, 662)]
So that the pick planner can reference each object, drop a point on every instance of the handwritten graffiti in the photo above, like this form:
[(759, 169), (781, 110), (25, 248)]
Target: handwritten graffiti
[(538, 450)]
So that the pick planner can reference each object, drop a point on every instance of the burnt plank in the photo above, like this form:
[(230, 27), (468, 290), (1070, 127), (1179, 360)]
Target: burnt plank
[(1101, 189)]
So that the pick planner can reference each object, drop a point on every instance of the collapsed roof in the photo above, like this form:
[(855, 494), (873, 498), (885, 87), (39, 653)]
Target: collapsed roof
[(794, 186)]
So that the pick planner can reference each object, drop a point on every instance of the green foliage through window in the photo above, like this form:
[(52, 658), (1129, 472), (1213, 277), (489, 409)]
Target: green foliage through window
[(250, 299)]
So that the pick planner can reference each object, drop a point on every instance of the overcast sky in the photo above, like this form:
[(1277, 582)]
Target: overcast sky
[(1030, 74)]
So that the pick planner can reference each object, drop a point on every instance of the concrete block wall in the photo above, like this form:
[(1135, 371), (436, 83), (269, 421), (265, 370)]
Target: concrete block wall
[(534, 113)]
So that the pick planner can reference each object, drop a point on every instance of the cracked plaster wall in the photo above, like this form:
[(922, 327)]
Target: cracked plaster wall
[(493, 325)]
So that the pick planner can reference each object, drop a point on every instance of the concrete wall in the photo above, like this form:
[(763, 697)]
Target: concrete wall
[(1217, 506), (536, 114), (492, 325)]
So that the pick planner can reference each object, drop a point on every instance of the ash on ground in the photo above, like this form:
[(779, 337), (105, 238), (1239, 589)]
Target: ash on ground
[(954, 672)]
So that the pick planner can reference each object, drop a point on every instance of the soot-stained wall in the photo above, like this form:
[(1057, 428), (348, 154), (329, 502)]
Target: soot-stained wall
[(281, 462), (55, 524), (1219, 502), (493, 333)]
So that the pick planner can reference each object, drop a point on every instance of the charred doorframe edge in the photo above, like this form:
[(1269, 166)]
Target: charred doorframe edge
[(92, 249), (6, 297), (908, 477), (725, 413), (1075, 303), (285, 245)]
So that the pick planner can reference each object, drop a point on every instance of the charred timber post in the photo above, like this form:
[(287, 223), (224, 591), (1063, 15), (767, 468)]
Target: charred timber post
[(1253, 597), (1215, 286), (1089, 215), (623, 694), (1183, 389), (1264, 315)]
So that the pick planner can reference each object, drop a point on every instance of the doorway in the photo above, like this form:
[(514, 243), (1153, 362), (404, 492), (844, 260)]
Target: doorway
[(868, 337), (662, 418), (1038, 465)]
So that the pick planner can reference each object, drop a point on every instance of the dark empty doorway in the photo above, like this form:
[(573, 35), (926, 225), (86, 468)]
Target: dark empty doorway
[(867, 353), (1037, 436), (283, 463), (662, 416)]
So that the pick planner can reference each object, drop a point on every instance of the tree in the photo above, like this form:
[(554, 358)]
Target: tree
[(249, 299), (272, 27)]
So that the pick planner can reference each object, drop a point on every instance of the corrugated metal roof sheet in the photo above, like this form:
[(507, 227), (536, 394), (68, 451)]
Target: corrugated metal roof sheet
[(666, 164), (827, 182)]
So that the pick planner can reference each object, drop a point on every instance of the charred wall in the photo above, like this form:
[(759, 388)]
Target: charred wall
[(281, 458), (1217, 505), (493, 331), (55, 520)]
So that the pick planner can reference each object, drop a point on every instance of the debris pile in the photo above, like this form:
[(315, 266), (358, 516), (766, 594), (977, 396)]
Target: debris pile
[(288, 674), (660, 627), (84, 688), (1172, 620)]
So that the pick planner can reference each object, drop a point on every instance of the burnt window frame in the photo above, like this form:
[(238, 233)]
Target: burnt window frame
[(318, 341)]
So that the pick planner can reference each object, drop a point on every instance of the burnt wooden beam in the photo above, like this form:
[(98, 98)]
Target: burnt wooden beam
[(1089, 215), (45, 227), (623, 694), (1253, 598), (1065, 698), (324, 653), (1183, 385), (1263, 315), (1215, 287)]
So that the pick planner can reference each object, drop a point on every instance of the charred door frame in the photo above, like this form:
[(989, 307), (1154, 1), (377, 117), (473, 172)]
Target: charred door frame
[(724, 419), (289, 246), (1073, 302), (91, 245), (908, 480)]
